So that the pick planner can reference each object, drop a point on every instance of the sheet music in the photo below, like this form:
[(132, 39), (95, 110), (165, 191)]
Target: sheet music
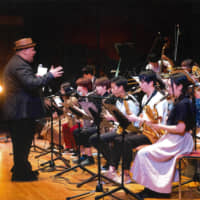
[(86, 105), (41, 71), (79, 112)]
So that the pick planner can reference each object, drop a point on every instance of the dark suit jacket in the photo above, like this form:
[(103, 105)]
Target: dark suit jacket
[(22, 90)]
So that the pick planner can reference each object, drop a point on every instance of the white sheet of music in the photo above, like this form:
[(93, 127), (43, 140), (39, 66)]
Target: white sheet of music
[(86, 105), (41, 71)]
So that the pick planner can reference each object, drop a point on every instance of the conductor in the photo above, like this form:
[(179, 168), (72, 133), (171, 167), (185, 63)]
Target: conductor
[(22, 104)]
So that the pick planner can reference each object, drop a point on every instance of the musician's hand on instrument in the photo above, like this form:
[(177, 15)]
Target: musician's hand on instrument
[(155, 126), (147, 122), (56, 71), (132, 118), (109, 117)]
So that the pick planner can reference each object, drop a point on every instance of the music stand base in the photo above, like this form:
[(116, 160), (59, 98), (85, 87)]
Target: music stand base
[(80, 195), (117, 189)]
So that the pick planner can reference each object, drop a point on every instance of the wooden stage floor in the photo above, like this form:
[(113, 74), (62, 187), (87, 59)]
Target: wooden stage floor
[(50, 188)]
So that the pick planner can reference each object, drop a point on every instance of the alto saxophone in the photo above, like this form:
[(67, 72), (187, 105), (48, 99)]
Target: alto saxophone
[(152, 113)]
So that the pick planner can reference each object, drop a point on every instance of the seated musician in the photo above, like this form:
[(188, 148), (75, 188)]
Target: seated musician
[(148, 82), (155, 63), (68, 127), (126, 104), (102, 88), (155, 165), (187, 65), (89, 72), (102, 85), (84, 86)]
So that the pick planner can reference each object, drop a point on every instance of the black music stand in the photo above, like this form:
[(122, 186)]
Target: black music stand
[(51, 162), (80, 114), (36, 148), (99, 187), (124, 123)]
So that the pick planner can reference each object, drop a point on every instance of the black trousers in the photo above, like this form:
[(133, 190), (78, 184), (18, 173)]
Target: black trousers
[(82, 135), (22, 134), (131, 141), (105, 144)]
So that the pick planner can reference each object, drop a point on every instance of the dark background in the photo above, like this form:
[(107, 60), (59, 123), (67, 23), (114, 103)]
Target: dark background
[(73, 33)]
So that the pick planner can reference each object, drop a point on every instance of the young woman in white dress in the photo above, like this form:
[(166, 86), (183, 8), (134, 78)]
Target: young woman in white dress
[(155, 165)]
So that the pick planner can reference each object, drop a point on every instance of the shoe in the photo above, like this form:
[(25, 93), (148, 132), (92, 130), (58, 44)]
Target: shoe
[(105, 168), (75, 154), (127, 179), (147, 193), (35, 172), (71, 150), (30, 177), (111, 175), (78, 161), (88, 161)]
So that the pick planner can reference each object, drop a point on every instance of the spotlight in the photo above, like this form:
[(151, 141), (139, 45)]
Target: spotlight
[(1, 89)]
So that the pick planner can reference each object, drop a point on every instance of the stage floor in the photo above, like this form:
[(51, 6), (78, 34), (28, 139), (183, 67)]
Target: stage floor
[(50, 188)]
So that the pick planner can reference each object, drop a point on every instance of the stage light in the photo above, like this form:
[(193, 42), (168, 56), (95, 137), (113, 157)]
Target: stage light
[(1, 89)]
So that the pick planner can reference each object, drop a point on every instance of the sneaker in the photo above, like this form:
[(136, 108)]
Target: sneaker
[(88, 161), (127, 179), (105, 167), (111, 175), (82, 158), (72, 151), (75, 154)]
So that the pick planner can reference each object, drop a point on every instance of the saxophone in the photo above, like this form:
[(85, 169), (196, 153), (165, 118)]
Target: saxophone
[(113, 110), (152, 113)]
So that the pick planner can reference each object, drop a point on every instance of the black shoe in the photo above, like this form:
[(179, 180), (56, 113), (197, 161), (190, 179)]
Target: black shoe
[(35, 172), (88, 161), (147, 193), (105, 167), (30, 177), (75, 154)]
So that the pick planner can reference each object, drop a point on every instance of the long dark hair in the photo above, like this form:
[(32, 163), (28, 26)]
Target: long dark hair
[(181, 79)]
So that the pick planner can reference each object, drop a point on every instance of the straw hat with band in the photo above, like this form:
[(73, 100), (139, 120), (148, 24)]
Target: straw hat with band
[(24, 43)]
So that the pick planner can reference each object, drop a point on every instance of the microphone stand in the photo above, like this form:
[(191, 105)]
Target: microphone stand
[(177, 34)]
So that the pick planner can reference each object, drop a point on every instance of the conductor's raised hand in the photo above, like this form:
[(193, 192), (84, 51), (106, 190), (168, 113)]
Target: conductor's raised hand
[(57, 71)]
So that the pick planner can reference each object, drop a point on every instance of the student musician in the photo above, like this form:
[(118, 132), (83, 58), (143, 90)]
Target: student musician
[(127, 104), (148, 82), (102, 85), (84, 86), (155, 165)]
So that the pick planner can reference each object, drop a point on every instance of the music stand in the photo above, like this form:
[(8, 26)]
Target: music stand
[(81, 114), (51, 162), (99, 187), (35, 147), (124, 123)]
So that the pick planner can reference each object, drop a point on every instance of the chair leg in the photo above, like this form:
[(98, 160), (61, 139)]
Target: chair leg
[(179, 187)]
